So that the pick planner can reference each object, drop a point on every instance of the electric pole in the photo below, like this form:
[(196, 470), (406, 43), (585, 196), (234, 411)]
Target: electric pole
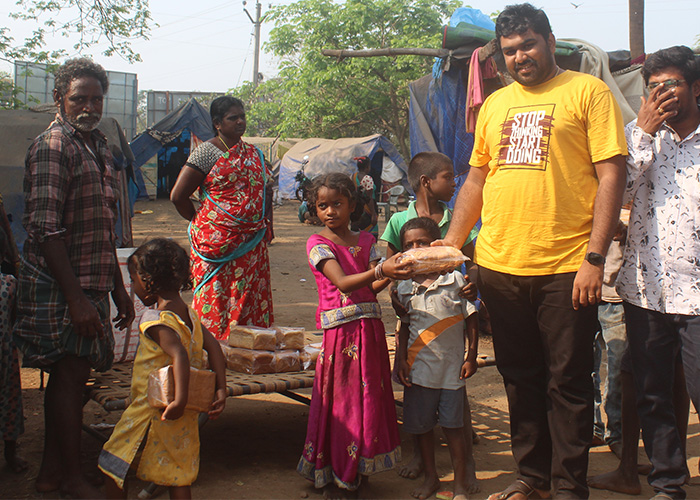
[(257, 22)]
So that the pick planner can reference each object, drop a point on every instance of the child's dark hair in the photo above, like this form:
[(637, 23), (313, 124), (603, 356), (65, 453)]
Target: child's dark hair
[(425, 223), (337, 182), (428, 163), (363, 164), (163, 265)]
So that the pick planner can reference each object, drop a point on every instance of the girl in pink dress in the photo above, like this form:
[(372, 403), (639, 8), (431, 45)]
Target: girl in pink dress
[(352, 428)]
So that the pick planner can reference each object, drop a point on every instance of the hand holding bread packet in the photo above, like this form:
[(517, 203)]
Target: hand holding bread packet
[(428, 260)]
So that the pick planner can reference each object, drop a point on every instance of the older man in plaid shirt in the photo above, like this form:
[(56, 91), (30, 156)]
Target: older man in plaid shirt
[(69, 267)]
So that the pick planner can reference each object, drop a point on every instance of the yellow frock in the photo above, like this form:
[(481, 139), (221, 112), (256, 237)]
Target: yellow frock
[(171, 454)]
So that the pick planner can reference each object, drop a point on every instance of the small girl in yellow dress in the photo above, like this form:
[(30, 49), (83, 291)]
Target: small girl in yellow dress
[(172, 334)]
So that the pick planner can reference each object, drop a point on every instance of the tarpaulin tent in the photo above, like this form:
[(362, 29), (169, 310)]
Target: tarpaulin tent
[(18, 128), (190, 116), (328, 155)]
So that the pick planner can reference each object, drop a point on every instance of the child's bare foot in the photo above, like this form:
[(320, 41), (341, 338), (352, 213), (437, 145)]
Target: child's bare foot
[(50, 475), (413, 469), (474, 487), (364, 491), (462, 489), (616, 481), (14, 462), (643, 469), (333, 492), (426, 490), (471, 483), (79, 488), (47, 484), (17, 465)]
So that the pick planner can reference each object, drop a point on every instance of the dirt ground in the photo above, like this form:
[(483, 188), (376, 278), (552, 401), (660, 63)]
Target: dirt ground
[(253, 449)]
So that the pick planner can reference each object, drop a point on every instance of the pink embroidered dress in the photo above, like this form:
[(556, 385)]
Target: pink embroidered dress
[(228, 237), (352, 428)]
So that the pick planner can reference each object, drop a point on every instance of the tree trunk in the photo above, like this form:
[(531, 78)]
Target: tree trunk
[(636, 15)]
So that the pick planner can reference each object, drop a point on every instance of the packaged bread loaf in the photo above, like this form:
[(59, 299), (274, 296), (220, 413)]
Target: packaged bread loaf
[(428, 260), (202, 387), (253, 337), (289, 337), (287, 361), (308, 357), (249, 361)]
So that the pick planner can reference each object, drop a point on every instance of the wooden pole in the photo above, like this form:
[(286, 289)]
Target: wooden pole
[(341, 54), (636, 19)]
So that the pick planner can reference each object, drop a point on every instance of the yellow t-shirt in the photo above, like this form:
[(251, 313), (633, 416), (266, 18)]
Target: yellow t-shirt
[(540, 144)]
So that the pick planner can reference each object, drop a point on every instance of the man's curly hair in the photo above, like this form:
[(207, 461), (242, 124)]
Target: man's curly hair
[(163, 265), (78, 68)]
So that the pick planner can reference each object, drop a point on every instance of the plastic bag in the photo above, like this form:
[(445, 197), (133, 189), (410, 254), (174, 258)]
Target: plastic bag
[(290, 337), (249, 361), (200, 396), (308, 357), (253, 337), (287, 361), (427, 260)]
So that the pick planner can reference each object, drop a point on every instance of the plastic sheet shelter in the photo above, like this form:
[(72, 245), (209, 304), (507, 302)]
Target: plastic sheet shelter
[(329, 155), (191, 115)]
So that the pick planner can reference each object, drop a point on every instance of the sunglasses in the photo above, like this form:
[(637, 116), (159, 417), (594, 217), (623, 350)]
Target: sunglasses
[(668, 84)]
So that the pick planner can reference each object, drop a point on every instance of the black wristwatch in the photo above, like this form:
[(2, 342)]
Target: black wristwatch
[(595, 258)]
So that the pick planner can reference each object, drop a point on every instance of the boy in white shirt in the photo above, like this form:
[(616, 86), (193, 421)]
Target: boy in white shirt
[(431, 363)]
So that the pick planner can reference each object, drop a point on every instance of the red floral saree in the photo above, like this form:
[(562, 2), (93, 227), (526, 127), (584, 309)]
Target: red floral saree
[(228, 237)]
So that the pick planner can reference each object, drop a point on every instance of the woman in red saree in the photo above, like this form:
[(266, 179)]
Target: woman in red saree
[(229, 232)]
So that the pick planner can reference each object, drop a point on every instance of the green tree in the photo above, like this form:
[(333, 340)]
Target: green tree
[(355, 96), (263, 106), (92, 21)]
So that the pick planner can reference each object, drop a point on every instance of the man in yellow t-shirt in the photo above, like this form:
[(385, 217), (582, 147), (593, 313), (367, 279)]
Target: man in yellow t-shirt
[(547, 176)]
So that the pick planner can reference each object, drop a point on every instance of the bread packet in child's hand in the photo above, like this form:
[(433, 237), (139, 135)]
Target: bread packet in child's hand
[(202, 386), (427, 260)]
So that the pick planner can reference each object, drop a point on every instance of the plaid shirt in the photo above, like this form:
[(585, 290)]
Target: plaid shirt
[(70, 195)]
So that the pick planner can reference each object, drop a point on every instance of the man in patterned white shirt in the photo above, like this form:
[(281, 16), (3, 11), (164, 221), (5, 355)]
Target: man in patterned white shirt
[(660, 277)]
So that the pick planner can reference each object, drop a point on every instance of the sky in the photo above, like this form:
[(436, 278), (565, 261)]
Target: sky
[(208, 45)]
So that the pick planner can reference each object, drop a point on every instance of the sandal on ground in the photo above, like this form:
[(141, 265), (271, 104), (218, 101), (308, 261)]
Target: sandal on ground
[(518, 486)]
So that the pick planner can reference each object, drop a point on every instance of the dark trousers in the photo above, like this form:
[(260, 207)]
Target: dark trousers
[(655, 339), (544, 351)]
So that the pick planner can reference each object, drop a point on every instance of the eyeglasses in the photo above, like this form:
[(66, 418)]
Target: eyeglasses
[(668, 84)]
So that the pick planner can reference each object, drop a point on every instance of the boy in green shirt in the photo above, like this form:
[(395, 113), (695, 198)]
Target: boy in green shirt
[(431, 176)]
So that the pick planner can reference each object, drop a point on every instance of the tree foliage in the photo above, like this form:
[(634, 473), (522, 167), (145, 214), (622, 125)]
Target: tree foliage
[(92, 21), (82, 23), (333, 98), (263, 106)]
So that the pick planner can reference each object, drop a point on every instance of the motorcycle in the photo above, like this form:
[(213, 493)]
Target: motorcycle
[(303, 182)]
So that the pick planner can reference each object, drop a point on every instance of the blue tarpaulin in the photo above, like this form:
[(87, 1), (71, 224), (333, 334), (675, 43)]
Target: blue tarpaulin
[(190, 115)]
